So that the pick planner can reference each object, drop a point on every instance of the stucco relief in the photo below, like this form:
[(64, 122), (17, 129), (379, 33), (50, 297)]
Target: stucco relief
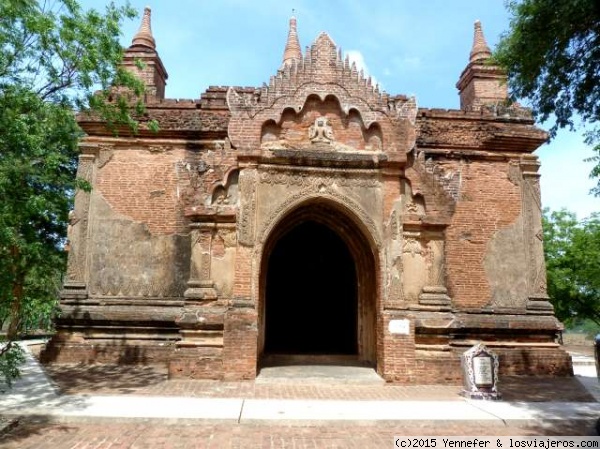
[(277, 210), (311, 177), (436, 263), (248, 180), (533, 208), (226, 193), (412, 245), (414, 265), (538, 297), (104, 155), (202, 237), (196, 254), (394, 249), (434, 292), (127, 260), (321, 131), (520, 280), (507, 277), (148, 268), (223, 259), (321, 126), (78, 224)]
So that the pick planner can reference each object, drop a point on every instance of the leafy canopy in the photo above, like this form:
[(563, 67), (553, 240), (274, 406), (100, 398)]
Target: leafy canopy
[(552, 54), (53, 57), (572, 251)]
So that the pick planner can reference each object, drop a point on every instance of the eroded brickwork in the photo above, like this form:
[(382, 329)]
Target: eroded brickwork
[(487, 203), (438, 209), (144, 185)]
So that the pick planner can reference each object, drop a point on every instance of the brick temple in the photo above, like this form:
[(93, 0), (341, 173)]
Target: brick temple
[(315, 215)]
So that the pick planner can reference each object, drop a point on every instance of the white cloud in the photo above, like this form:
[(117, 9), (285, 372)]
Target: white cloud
[(357, 57)]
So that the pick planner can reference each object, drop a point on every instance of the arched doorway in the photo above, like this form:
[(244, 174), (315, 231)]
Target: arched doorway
[(311, 295), (318, 285)]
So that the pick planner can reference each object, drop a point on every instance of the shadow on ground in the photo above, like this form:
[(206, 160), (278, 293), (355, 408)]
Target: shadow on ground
[(129, 379), (543, 389), (24, 429), (72, 379)]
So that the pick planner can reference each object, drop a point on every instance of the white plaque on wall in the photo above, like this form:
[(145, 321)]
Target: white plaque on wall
[(401, 327)]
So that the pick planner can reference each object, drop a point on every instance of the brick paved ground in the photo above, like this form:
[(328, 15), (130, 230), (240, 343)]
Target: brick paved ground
[(153, 381), (150, 435), (39, 433)]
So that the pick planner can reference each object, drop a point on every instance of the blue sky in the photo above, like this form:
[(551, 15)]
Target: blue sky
[(410, 47)]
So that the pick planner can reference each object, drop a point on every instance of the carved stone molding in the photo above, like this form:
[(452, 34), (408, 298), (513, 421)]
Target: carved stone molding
[(412, 244), (311, 177), (200, 287), (279, 210), (538, 301), (75, 285), (248, 180), (435, 292), (105, 154), (393, 295), (118, 287)]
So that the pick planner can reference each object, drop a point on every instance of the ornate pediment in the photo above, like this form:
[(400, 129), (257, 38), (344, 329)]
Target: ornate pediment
[(321, 125), (321, 85)]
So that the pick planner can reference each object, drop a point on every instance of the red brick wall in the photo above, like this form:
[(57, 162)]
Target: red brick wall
[(144, 187), (397, 357), (240, 344), (196, 363), (488, 202)]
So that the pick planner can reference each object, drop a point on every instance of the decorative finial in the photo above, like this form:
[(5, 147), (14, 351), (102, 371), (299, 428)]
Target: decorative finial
[(292, 47), (144, 35), (480, 50)]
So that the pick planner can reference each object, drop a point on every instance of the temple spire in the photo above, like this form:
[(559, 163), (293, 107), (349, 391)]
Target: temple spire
[(143, 49), (144, 35), (481, 83), (480, 50), (292, 50)]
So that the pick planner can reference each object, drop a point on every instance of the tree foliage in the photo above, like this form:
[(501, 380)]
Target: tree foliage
[(55, 60), (552, 54), (572, 251)]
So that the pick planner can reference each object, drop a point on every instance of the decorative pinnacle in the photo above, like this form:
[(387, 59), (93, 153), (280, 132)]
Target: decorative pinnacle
[(292, 46), (144, 35), (480, 50)]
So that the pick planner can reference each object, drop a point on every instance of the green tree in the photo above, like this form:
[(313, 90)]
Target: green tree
[(552, 54), (572, 251), (55, 60)]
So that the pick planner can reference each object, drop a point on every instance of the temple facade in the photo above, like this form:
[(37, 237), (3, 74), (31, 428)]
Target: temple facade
[(315, 215)]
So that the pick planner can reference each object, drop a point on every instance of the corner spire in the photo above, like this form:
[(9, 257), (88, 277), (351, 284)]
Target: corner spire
[(292, 50), (481, 83), (143, 48), (144, 35), (480, 50)]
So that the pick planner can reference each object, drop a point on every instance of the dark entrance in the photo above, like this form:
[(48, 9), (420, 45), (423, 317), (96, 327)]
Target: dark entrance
[(311, 293)]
